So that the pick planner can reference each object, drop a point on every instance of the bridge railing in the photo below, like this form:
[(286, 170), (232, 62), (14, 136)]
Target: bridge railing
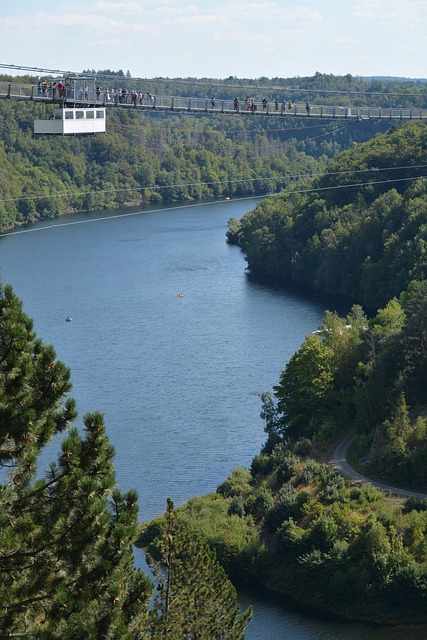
[(24, 91), (109, 97)]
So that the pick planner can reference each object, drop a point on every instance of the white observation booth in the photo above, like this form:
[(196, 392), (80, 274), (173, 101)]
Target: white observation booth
[(72, 121)]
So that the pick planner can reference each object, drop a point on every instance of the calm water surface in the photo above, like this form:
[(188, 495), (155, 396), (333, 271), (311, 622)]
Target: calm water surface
[(177, 378)]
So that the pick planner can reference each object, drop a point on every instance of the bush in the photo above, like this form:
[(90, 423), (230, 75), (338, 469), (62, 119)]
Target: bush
[(303, 447), (284, 462), (237, 507), (237, 483), (327, 431), (261, 465), (289, 533), (415, 504), (259, 503), (334, 485), (309, 472), (289, 504), (324, 533)]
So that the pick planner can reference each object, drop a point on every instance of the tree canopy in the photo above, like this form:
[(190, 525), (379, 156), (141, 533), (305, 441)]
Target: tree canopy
[(358, 231)]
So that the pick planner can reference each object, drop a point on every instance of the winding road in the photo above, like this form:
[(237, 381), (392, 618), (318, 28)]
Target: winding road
[(337, 455)]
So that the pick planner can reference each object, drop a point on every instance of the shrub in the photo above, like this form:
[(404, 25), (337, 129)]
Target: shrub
[(289, 533), (309, 472), (285, 463), (259, 503), (303, 447), (289, 504), (237, 507), (324, 533), (415, 504), (237, 483), (261, 465), (334, 485)]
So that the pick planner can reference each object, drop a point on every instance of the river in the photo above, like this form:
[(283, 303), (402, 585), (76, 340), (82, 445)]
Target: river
[(177, 378)]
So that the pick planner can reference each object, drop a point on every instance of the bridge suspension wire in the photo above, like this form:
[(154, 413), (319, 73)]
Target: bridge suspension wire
[(331, 125), (120, 215), (188, 205), (238, 181), (37, 69)]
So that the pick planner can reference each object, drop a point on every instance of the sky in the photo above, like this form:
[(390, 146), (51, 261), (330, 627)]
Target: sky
[(218, 38)]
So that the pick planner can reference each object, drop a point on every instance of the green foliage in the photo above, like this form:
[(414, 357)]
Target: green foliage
[(233, 231), (416, 504), (359, 374), (238, 483), (141, 159), (366, 242), (340, 546), (194, 597), (235, 538), (259, 502), (305, 385)]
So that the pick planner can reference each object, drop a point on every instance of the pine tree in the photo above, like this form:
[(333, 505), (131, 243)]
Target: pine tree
[(66, 560), (195, 599)]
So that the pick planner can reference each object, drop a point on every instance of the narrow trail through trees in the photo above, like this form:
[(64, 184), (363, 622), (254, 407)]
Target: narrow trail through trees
[(337, 456)]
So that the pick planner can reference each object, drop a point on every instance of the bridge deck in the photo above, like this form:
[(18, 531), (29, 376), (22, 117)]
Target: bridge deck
[(179, 104)]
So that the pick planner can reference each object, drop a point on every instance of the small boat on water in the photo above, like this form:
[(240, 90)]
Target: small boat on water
[(180, 294)]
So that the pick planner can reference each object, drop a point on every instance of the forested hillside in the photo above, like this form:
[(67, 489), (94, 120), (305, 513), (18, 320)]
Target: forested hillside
[(359, 230), (150, 158), (140, 160)]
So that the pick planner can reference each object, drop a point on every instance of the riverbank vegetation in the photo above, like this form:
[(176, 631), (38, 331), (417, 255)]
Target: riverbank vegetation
[(367, 374), (296, 527), (358, 230)]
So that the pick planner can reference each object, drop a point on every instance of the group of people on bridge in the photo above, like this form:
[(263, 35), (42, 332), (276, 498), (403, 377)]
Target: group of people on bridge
[(65, 91), (250, 105)]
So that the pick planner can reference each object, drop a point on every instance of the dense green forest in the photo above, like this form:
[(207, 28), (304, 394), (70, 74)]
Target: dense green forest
[(359, 230), (293, 522)]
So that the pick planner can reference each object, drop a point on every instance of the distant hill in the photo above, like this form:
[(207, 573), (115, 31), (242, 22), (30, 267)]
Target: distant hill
[(393, 79)]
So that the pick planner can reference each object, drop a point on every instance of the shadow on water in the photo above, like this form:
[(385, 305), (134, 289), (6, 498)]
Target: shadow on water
[(277, 617), (330, 302)]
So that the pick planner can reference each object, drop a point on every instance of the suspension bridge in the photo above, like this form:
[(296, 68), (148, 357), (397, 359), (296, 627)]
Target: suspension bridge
[(79, 95)]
